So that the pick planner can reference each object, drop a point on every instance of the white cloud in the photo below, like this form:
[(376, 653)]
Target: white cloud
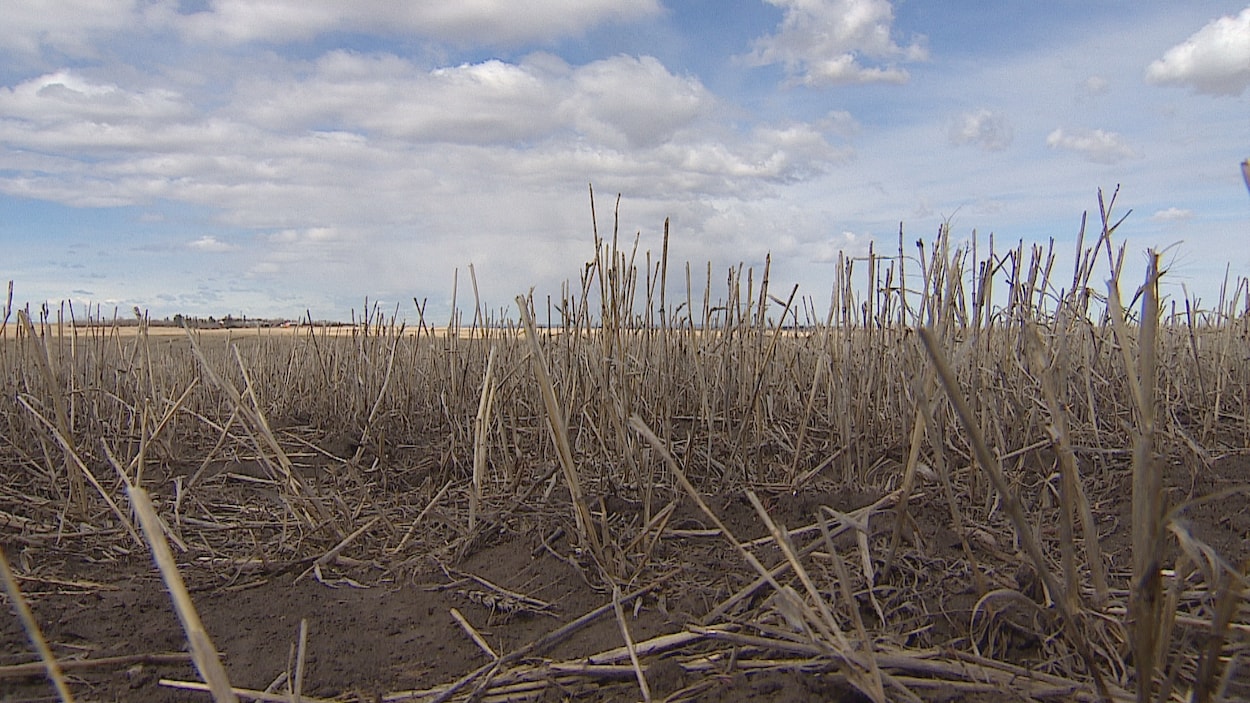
[(304, 237), (825, 42), (211, 244), (989, 130), (65, 25), (848, 244), (621, 101), (264, 269), (311, 251), (371, 153), (840, 123), (1095, 86), (1215, 60), (1172, 214), (623, 120), (1098, 146), (627, 101), (338, 170), (385, 95), (65, 96), (466, 21)]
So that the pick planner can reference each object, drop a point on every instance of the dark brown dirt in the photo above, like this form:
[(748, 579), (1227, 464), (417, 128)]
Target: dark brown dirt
[(396, 634), (370, 631), (374, 629)]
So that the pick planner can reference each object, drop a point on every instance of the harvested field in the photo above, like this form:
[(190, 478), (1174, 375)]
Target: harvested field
[(922, 494)]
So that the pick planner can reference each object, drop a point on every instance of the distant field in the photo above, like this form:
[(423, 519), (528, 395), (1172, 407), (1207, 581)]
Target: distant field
[(166, 331)]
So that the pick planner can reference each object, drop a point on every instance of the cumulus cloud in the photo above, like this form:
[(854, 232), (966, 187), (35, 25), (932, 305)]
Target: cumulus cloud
[(210, 244), (847, 243), (1172, 214), (64, 25), (478, 22), (66, 96), (297, 145), (636, 100), (989, 130), (303, 237), (264, 269), (318, 249), (622, 101), (790, 153), (1095, 86), (840, 123), (826, 42), (1215, 60), (1097, 146), (385, 95)]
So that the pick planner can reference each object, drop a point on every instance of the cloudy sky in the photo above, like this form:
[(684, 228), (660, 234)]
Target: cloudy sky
[(267, 157)]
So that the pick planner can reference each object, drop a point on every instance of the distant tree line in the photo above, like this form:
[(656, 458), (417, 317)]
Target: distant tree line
[(226, 322)]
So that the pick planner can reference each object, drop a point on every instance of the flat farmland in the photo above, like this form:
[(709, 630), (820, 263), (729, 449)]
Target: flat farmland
[(919, 494)]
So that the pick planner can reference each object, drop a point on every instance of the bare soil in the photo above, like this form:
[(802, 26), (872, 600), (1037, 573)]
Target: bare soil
[(380, 623)]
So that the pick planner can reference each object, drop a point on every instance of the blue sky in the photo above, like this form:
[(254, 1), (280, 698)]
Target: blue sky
[(267, 158)]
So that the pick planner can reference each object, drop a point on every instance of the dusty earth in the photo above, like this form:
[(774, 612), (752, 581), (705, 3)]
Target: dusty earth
[(378, 627)]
